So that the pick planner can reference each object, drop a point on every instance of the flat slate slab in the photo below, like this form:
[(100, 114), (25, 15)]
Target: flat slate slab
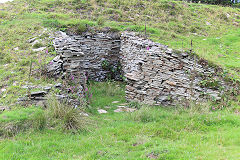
[(38, 93)]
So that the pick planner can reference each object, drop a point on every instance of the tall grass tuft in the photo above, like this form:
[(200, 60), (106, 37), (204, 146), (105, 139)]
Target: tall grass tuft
[(61, 114), (100, 21)]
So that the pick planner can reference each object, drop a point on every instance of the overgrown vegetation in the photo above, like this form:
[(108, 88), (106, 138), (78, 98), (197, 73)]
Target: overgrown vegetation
[(67, 116), (56, 115)]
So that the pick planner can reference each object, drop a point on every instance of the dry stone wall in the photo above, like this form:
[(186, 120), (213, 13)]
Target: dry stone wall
[(92, 55), (155, 74), (159, 75)]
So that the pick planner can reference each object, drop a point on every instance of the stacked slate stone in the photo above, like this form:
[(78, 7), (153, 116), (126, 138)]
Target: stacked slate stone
[(82, 56), (55, 67), (158, 75), (155, 73)]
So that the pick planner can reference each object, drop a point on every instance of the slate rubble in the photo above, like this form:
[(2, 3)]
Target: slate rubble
[(39, 97)]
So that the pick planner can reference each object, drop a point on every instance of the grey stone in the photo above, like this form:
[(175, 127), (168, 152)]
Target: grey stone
[(32, 40), (84, 53), (166, 75), (115, 102), (47, 88), (38, 93), (124, 109), (102, 111), (184, 54), (39, 49), (3, 108), (35, 42), (58, 85)]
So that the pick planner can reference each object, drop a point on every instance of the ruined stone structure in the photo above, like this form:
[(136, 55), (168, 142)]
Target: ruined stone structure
[(155, 74), (91, 55)]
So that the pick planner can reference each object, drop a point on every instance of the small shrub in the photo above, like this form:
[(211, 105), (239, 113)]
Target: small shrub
[(193, 29), (113, 29), (57, 115), (39, 121), (114, 69), (100, 21), (38, 45), (210, 83), (50, 47), (194, 108), (81, 28), (105, 64)]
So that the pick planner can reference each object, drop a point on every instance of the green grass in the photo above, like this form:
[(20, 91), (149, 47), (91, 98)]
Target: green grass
[(198, 132), (168, 133), (222, 50), (20, 120), (19, 114), (104, 93)]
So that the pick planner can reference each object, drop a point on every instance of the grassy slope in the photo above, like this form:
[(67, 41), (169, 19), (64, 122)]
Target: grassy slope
[(170, 133)]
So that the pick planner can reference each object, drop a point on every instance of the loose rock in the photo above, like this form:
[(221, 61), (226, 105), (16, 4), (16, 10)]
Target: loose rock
[(102, 111)]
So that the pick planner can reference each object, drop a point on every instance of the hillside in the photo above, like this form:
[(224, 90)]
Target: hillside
[(206, 131)]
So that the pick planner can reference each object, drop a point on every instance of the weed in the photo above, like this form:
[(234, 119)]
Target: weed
[(100, 21), (104, 93), (38, 45), (69, 117), (81, 28), (210, 83)]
